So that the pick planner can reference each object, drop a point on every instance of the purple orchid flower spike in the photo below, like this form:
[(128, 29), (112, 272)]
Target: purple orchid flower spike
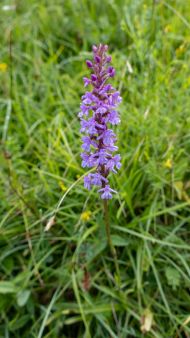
[(98, 113)]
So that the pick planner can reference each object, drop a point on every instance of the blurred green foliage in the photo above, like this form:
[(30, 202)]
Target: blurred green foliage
[(62, 282)]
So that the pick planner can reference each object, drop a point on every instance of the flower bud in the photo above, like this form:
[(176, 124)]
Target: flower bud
[(89, 64), (93, 77), (97, 58), (94, 48)]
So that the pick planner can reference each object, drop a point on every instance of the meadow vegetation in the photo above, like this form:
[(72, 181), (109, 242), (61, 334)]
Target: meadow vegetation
[(57, 277)]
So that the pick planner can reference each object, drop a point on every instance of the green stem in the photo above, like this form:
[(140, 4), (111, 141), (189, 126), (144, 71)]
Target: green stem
[(110, 244)]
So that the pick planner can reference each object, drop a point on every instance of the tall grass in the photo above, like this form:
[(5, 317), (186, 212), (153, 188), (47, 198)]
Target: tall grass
[(62, 282)]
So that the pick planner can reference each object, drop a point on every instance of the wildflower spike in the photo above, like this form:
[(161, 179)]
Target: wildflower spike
[(98, 112)]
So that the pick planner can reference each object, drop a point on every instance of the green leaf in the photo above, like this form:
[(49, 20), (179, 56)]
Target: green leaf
[(18, 322), (173, 277), (7, 287), (119, 241), (22, 297)]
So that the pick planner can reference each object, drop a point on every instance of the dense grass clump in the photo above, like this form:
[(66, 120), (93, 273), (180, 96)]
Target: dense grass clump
[(57, 277)]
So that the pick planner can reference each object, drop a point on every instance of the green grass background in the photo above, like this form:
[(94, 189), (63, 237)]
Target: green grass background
[(62, 282)]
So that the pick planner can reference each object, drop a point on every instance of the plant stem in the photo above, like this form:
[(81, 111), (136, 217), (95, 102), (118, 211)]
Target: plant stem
[(110, 244)]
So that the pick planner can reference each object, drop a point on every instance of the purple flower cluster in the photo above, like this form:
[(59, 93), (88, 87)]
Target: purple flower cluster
[(98, 111)]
